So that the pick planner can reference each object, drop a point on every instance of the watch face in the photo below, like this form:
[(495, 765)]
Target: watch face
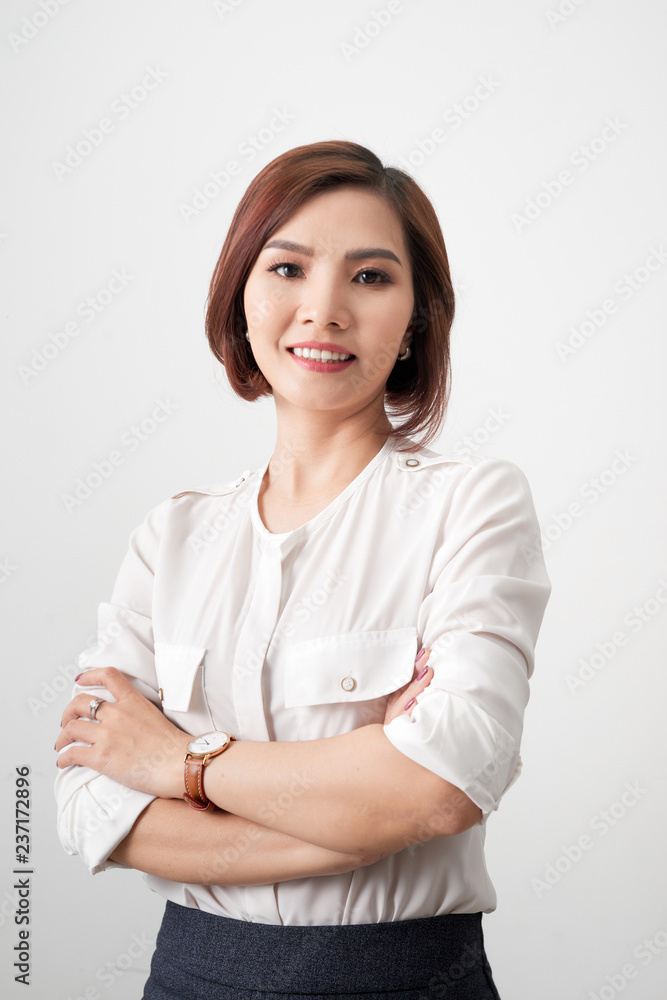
[(208, 742)]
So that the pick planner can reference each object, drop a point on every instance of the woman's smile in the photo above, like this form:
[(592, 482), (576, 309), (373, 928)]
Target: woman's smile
[(321, 360)]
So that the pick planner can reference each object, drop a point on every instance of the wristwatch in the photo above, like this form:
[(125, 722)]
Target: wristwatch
[(199, 752)]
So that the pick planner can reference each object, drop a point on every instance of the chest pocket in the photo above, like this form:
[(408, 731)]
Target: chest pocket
[(337, 683), (179, 670)]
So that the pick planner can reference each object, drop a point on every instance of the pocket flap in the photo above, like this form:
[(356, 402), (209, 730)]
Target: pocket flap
[(352, 666), (176, 666)]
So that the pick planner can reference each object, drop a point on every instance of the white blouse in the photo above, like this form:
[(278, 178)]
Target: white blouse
[(304, 634)]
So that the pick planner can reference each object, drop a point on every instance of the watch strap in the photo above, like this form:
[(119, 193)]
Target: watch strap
[(194, 786)]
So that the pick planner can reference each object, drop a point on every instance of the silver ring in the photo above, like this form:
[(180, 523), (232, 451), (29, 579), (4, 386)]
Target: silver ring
[(94, 705)]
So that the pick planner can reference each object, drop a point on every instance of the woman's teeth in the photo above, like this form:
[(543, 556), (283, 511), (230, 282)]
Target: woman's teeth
[(315, 355)]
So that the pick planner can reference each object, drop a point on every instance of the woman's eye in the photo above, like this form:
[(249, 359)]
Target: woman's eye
[(369, 276), (276, 267), (377, 277)]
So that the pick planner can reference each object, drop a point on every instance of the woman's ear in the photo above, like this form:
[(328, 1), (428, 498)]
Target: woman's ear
[(407, 338)]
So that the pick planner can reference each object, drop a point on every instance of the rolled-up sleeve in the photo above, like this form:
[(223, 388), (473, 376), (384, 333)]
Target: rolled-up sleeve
[(94, 812), (481, 620)]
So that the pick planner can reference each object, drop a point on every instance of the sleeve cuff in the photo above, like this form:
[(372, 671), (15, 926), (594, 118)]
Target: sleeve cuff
[(462, 744), (97, 817)]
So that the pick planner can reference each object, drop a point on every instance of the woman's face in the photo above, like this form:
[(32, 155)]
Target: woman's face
[(337, 272)]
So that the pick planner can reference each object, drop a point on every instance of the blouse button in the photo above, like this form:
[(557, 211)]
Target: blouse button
[(412, 461), (348, 684)]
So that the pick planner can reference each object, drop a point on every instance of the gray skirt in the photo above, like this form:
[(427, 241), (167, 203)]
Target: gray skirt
[(202, 956)]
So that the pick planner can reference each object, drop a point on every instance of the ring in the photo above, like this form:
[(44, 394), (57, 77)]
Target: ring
[(94, 705)]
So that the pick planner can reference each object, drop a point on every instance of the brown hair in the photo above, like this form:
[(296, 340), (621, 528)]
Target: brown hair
[(417, 388)]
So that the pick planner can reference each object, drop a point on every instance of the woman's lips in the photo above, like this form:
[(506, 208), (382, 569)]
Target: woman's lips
[(320, 345), (321, 366)]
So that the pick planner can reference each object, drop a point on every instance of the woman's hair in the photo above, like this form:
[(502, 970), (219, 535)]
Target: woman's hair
[(417, 388)]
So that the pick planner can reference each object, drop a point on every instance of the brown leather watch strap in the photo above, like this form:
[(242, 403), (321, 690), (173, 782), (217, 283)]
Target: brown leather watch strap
[(194, 785)]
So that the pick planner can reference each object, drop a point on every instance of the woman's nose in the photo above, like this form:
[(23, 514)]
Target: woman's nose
[(324, 302)]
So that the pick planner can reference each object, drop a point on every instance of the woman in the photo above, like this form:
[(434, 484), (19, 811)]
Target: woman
[(332, 844)]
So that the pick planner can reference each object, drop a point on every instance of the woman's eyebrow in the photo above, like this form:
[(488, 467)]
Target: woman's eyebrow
[(362, 254)]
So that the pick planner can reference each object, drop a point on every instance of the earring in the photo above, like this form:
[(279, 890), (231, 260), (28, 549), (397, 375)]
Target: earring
[(404, 357)]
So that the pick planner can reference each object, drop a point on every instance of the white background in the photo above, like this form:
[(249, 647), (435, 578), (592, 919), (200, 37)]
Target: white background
[(553, 82)]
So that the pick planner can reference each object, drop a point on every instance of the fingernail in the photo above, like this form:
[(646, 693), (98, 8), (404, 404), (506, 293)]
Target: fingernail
[(419, 655), (411, 702), (77, 677), (422, 674)]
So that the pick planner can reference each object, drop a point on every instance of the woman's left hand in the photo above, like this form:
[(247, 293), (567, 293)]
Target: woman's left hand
[(403, 701), (130, 739)]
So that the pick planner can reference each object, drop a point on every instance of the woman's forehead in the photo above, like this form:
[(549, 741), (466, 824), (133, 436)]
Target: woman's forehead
[(345, 219)]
